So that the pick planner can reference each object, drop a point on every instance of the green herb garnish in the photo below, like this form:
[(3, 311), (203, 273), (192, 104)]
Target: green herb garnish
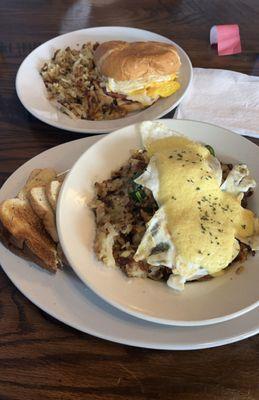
[(211, 150), (138, 195), (137, 192)]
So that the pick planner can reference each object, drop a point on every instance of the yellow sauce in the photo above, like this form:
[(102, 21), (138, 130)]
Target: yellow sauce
[(203, 221)]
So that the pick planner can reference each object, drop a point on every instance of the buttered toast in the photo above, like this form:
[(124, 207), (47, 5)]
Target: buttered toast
[(27, 222)]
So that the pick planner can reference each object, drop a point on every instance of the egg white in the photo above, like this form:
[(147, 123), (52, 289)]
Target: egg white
[(238, 181), (126, 87)]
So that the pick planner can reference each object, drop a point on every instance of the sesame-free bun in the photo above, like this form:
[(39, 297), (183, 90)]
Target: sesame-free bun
[(125, 61)]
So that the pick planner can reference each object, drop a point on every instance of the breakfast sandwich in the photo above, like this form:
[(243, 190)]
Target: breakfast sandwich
[(174, 212), (105, 81), (138, 71)]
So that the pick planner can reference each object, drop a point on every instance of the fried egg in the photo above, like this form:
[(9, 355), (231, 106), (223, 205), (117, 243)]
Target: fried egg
[(147, 90), (195, 230)]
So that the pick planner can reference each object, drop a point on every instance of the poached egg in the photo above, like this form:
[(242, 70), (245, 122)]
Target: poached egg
[(195, 230)]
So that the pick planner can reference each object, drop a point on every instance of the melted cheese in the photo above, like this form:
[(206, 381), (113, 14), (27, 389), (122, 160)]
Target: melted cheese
[(203, 221)]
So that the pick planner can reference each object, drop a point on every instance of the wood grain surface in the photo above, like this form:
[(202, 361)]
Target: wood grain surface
[(41, 359)]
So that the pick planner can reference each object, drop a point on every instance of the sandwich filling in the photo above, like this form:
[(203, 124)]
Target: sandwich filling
[(145, 90)]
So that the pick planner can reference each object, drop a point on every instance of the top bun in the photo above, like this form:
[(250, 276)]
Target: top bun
[(125, 61)]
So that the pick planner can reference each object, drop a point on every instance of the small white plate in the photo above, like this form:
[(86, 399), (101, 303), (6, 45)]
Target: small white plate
[(33, 95), (201, 303), (67, 299)]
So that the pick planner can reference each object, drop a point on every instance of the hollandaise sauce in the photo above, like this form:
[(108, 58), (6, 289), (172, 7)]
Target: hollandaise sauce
[(203, 221)]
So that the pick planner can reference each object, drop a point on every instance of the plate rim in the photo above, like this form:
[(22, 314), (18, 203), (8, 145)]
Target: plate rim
[(93, 130), (134, 343), (123, 308)]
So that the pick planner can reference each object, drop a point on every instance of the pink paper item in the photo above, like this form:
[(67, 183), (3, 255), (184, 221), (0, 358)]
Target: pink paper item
[(227, 37)]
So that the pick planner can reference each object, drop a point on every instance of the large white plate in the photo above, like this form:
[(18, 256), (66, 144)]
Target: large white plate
[(32, 93), (201, 303), (67, 299)]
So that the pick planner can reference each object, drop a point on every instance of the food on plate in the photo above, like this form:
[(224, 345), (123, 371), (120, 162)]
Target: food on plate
[(140, 71), (52, 191), (107, 81), (37, 177), (27, 222), (174, 212), (41, 206)]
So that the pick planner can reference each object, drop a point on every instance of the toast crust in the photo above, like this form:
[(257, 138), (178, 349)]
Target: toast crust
[(52, 192), (38, 177), (41, 206)]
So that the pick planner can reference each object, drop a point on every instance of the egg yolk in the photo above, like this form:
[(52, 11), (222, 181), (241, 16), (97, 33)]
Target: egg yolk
[(158, 89)]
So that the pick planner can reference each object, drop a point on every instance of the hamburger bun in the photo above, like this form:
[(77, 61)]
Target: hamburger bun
[(124, 61)]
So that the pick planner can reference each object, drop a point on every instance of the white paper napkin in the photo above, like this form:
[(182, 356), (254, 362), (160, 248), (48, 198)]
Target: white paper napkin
[(225, 98)]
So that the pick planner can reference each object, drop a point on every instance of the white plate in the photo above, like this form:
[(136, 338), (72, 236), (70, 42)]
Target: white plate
[(67, 299), (32, 93), (201, 303)]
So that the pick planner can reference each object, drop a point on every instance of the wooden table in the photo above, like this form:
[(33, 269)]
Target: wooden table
[(42, 359)]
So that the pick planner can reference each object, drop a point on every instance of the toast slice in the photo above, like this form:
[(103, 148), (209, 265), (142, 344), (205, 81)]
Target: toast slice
[(41, 206), (62, 257), (38, 177), (24, 252), (23, 232), (52, 192), (61, 176)]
